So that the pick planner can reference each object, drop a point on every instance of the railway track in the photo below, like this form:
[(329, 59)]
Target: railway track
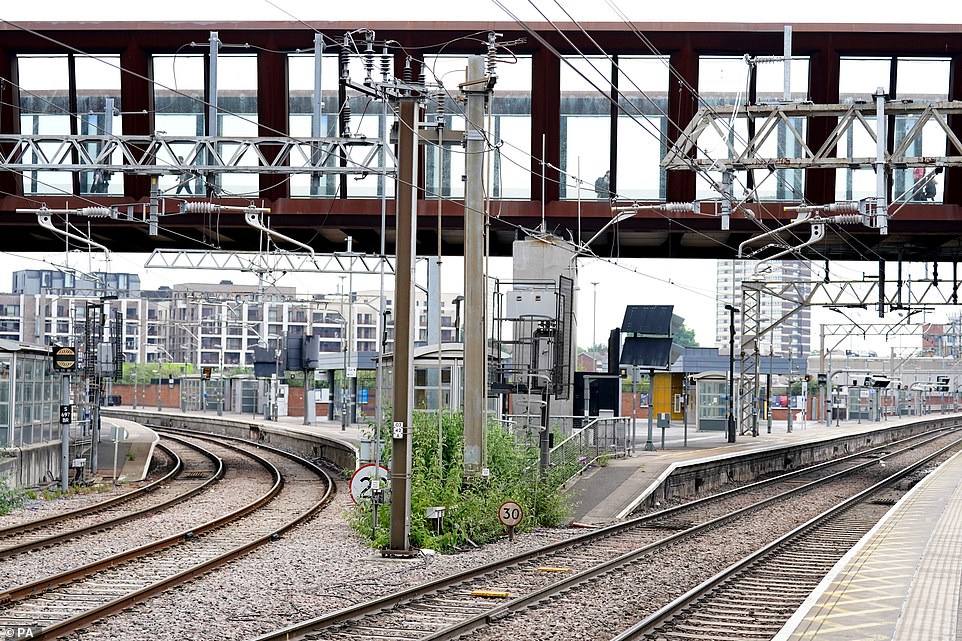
[(785, 571), (55, 605), (194, 470), (456, 605)]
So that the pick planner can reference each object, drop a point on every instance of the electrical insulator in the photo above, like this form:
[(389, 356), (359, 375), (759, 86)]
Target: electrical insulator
[(95, 212), (439, 100), (369, 57), (847, 219), (492, 69), (676, 208), (385, 64), (841, 208), (200, 207), (406, 75), (343, 59), (346, 118)]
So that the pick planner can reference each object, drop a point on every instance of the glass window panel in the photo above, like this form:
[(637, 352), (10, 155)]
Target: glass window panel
[(511, 116), (722, 81), (180, 111), (921, 80), (642, 126), (365, 120), (859, 79), (300, 81), (585, 124), (237, 115), (97, 79), (447, 72), (44, 109), (783, 184)]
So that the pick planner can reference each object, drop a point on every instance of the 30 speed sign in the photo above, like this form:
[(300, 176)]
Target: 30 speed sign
[(510, 514)]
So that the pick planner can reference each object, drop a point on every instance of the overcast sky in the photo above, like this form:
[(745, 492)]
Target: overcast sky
[(824, 11), (689, 285)]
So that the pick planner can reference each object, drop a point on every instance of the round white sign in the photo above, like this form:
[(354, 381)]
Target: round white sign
[(366, 478), (510, 514)]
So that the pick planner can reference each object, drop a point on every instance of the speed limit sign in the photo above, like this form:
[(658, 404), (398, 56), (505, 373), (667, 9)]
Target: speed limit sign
[(510, 514), (366, 478)]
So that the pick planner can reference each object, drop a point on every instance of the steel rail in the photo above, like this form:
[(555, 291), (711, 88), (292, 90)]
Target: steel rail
[(528, 600), (20, 592), (92, 509), (305, 628), (162, 585), (217, 474), (666, 612)]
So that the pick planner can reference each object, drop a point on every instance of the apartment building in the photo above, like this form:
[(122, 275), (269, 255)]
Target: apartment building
[(792, 336), (203, 323)]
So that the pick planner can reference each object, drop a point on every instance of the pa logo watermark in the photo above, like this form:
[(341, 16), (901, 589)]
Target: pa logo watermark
[(10, 632)]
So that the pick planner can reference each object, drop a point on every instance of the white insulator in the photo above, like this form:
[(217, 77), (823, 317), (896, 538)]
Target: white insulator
[(94, 212), (201, 207), (676, 208), (841, 208), (385, 64), (847, 219)]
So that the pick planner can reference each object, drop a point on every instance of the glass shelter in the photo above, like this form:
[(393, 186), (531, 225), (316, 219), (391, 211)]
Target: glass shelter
[(29, 395)]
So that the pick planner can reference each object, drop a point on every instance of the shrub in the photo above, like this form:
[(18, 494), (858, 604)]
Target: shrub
[(471, 505), (11, 498)]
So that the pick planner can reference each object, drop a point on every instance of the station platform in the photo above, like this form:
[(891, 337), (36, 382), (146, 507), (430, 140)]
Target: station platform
[(126, 448), (902, 580), (605, 494), (350, 434)]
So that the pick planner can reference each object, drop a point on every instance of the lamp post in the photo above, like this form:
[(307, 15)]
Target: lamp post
[(731, 371)]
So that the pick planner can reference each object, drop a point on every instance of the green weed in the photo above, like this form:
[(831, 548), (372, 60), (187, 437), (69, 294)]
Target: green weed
[(11, 498), (471, 505)]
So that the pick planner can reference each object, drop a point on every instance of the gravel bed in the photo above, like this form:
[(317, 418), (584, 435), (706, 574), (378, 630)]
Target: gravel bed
[(321, 566), (40, 508), (243, 481), (317, 567), (600, 609)]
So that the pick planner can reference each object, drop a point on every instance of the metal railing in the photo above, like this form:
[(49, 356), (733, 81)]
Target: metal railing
[(584, 440), (598, 438)]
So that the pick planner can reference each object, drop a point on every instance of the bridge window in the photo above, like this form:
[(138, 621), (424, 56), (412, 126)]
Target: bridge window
[(45, 110), (783, 184), (727, 82), (237, 117), (859, 78), (510, 133), (642, 126), (98, 78), (449, 72), (921, 80), (179, 93), (300, 105), (585, 125), (722, 83)]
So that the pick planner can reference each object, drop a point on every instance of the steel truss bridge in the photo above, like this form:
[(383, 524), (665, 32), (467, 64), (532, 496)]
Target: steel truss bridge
[(919, 231)]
